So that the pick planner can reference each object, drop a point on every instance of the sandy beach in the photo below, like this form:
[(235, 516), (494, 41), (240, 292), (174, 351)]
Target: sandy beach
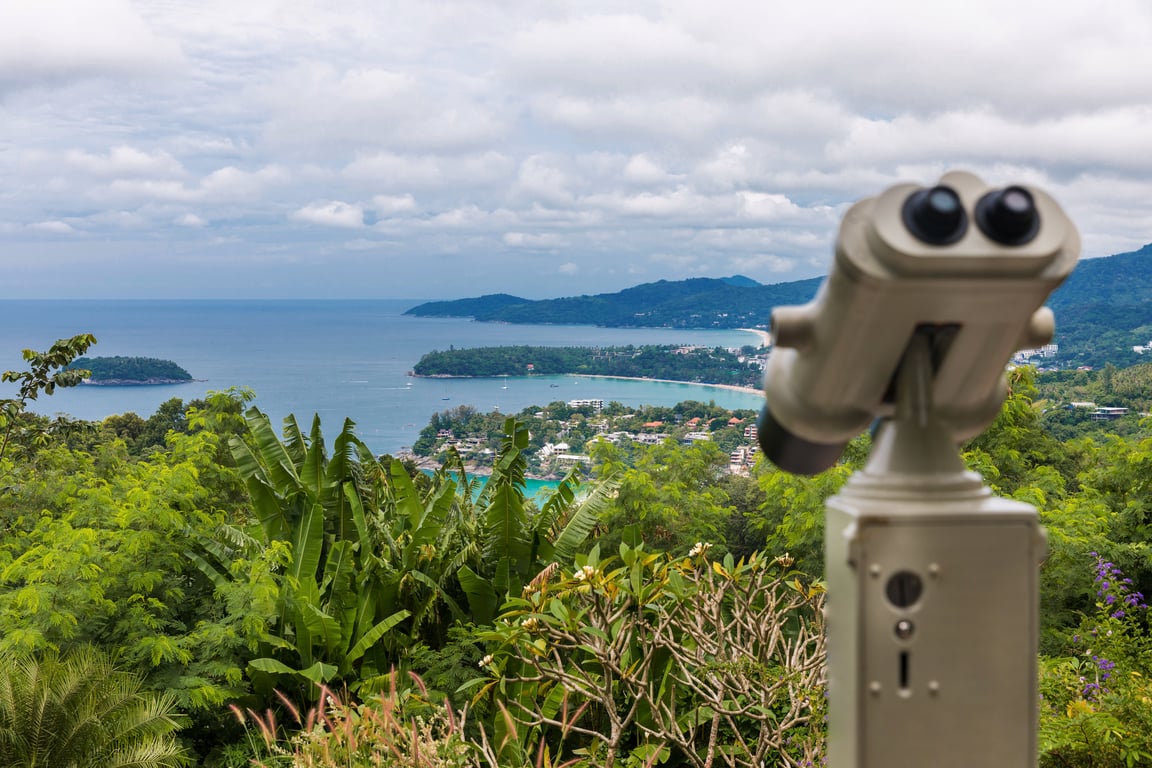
[(733, 387), (765, 336)]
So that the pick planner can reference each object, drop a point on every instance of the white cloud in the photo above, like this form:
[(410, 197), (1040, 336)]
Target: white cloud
[(544, 179), (54, 42), (641, 169), (568, 268), (125, 161), (663, 141), (334, 214), (762, 262), (761, 206), (228, 184), (191, 220), (387, 205), (54, 227), (529, 240)]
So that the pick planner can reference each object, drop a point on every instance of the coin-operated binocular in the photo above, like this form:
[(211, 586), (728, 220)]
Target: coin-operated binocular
[(932, 580)]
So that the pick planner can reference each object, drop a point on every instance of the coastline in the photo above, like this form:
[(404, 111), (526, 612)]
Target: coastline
[(430, 464), (729, 387), (765, 336)]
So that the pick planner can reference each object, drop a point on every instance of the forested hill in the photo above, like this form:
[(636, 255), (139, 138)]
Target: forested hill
[(694, 364), (1103, 309), (733, 302)]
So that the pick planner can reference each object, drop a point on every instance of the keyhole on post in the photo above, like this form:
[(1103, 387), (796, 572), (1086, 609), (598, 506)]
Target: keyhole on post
[(904, 588)]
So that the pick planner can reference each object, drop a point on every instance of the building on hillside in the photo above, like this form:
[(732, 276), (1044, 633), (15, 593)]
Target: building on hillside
[(549, 449), (742, 459), (1047, 351), (596, 404), (1108, 414)]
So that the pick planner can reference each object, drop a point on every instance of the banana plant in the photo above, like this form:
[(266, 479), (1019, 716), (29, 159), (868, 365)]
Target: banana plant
[(376, 562), (330, 615), (518, 543)]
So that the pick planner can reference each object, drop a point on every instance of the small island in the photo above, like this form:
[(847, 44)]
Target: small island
[(130, 371)]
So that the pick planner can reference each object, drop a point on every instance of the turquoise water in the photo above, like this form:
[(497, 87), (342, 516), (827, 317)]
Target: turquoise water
[(339, 359)]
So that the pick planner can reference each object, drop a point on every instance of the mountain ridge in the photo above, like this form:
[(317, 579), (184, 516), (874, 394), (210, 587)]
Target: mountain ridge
[(1103, 309)]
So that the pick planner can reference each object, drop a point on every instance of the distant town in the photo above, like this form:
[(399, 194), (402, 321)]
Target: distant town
[(566, 433)]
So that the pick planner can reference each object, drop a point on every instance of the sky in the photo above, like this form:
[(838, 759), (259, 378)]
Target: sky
[(452, 148)]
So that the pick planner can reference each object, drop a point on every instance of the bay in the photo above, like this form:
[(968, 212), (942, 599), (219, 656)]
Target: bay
[(338, 359)]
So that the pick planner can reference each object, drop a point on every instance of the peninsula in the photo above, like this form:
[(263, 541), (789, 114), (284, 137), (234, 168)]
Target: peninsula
[(130, 371), (741, 367)]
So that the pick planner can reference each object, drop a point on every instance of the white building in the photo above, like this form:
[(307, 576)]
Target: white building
[(548, 449)]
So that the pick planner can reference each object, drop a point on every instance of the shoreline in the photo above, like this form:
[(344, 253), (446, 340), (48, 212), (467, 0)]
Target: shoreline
[(765, 336), (430, 464), (729, 387)]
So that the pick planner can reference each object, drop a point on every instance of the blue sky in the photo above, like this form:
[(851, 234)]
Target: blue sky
[(290, 148)]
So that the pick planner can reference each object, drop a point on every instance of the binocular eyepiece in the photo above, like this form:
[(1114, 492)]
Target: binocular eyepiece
[(962, 256), (1006, 216)]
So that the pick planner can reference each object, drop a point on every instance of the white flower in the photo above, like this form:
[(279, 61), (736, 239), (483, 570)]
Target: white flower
[(531, 623), (485, 661), (699, 548), (587, 572)]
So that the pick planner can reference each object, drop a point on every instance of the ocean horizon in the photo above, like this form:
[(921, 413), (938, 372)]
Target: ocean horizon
[(334, 358)]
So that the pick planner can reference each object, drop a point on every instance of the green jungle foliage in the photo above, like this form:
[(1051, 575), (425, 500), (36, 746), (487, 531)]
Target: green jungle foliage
[(244, 576), (711, 366), (131, 369), (82, 711)]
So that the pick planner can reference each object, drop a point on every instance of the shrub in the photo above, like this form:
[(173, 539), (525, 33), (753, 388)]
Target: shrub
[(655, 659), (393, 730), (1096, 705)]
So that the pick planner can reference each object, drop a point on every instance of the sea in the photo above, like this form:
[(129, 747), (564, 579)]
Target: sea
[(335, 358)]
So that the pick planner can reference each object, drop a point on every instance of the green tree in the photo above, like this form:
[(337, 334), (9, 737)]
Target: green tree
[(46, 371), (674, 494), (78, 710)]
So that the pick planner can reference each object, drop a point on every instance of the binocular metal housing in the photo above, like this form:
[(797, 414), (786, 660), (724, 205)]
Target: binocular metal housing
[(965, 263)]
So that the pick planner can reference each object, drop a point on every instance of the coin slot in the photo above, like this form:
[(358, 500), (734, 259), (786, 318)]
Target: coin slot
[(903, 670)]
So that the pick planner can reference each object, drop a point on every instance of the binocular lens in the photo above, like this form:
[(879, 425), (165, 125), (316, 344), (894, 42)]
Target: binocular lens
[(935, 216), (1008, 216), (793, 453)]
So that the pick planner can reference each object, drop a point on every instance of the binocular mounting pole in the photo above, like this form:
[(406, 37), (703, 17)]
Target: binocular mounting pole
[(933, 601)]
